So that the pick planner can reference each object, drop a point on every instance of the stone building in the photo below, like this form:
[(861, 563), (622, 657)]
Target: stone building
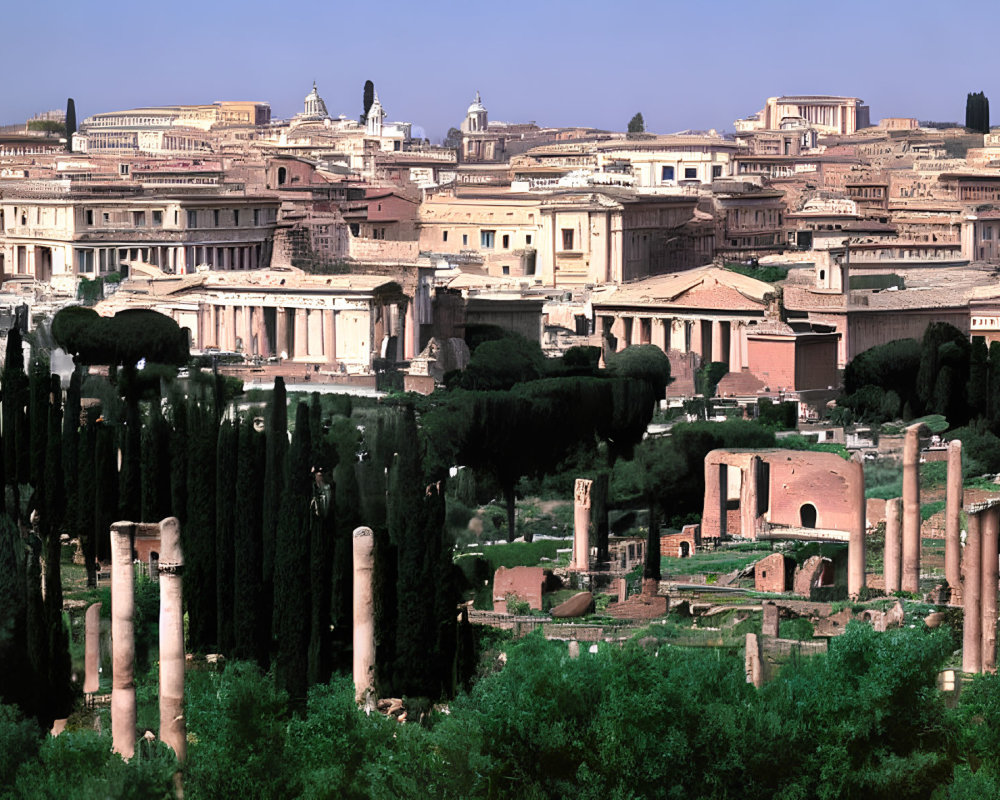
[(60, 236), (826, 113), (335, 323)]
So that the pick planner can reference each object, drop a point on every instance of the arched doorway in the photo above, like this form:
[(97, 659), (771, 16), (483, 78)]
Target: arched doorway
[(807, 515), (685, 549), (282, 175)]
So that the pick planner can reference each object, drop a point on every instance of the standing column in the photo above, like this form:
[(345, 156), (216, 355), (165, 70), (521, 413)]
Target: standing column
[(658, 333), (409, 333), (892, 558), (717, 354), (300, 344), (972, 620), (581, 525), (330, 336), (173, 729), (122, 641), (697, 341), (911, 509), (248, 347), (953, 510), (281, 332), (856, 535), (364, 615), (988, 589), (92, 653), (231, 328), (735, 362)]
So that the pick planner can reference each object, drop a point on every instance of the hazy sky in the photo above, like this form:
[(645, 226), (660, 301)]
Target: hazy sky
[(558, 62)]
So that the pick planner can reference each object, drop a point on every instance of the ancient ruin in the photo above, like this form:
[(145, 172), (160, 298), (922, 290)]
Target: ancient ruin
[(364, 615), (92, 652), (893, 555), (123, 714), (173, 730), (581, 524), (953, 510), (910, 581)]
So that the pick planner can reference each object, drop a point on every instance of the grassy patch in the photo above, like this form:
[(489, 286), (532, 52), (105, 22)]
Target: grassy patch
[(928, 510), (715, 562), (799, 628), (524, 554)]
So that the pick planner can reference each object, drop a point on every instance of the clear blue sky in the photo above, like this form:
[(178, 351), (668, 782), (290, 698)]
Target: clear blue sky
[(559, 62)]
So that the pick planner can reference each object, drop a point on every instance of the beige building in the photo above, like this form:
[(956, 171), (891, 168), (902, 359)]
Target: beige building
[(666, 161), (825, 113), (60, 237), (337, 323)]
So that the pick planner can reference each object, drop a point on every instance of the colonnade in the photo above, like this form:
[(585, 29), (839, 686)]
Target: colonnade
[(722, 340)]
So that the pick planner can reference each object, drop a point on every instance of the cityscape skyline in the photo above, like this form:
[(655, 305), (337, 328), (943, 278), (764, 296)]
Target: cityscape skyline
[(428, 63)]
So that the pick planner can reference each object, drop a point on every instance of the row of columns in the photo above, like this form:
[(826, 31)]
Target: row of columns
[(232, 327), (173, 729), (902, 521), (712, 339)]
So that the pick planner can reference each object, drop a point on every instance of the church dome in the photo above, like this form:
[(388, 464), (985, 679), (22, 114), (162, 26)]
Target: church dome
[(477, 106)]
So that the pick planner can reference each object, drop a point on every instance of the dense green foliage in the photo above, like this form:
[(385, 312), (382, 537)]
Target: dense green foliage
[(70, 122), (637, 124), (863, 721)]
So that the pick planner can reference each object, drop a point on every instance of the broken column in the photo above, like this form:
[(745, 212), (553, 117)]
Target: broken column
[(911, 509), (971, 615), (892, 558), (173, 729), (581, 525), (92, 651), (122, 641), (952, 518), (364, 615), (988, 533), (856, 534), (752, 661)]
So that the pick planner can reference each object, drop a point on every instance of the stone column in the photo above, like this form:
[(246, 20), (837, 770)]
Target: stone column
[(581, 524), (856, 535), (281, 332), (300, 344), (952, 520), (659, 333), (911, 509), (717, 354), (364, 615), (122, 641), (735, 362), (892, 559), (989, 530), (92, 653), (409, 333), (330, 336), (230, 328), (248, 325), (972, 660), (752, 661), (173, 729), (696, 338)]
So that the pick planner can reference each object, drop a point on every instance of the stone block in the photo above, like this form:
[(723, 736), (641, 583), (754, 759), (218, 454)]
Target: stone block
[(577, 606), (525, 583), (771, 620)]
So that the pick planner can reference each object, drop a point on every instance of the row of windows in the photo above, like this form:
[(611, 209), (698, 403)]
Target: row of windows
[(667, 173), (487, 239)]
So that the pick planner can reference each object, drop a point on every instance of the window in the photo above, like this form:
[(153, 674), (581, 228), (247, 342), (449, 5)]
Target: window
[(486, 238), (106, 218), (527, 239), (716, 170), (215, 218), (192, 219), (256, 217), (89, 214), (177, 217), (987, 233), (465, 238), (506, 269), (567, 238), (157, 218), (236, 217), (444, 236), (506, 241), (690, 173), (666, 174), (138, 219), (123, 169)]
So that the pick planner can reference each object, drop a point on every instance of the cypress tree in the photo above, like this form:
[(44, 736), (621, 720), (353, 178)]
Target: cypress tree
[(13, 404), (86, 491), (409, 532), (322, 534), (52, 505), (198, 534), (225, 520), (367, 98), (446, 669), (131, 444), (17, 684), (70, 123), (105, 489), (274, 478), (38, 416), (291, 567), (179, 459), (156, 499), (70, 455), (348, 517), (252, 626)]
